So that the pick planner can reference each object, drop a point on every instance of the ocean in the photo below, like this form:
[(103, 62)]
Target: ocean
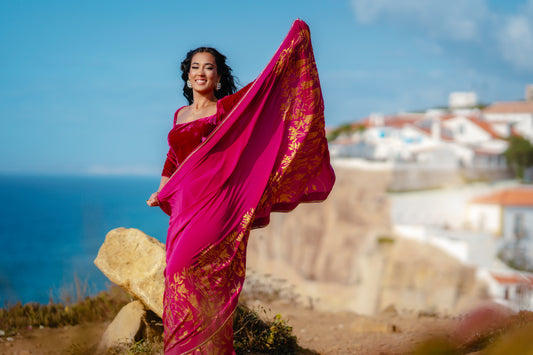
[(52, 227)]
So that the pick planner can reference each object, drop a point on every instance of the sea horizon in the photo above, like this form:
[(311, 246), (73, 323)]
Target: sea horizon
[(53, 225)]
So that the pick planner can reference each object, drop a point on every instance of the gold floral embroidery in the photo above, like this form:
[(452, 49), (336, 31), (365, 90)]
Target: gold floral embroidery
[(195, 296), (302, 111)]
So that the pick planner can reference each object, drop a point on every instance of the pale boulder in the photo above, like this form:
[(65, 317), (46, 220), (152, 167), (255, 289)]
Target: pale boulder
[(126, 325), (135, 262)]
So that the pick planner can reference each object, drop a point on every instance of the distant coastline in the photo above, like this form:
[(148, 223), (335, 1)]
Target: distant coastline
[(51, 227)]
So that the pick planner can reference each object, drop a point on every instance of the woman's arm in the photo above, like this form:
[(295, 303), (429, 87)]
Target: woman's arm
[(153, 201)]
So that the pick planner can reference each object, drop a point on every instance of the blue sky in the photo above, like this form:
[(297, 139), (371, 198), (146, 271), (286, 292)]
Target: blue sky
[(90, 87)]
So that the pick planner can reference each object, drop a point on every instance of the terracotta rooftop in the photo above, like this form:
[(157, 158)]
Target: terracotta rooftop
[(514, 278), (484, 125), (397, 121), (508, 197), (510, 107)]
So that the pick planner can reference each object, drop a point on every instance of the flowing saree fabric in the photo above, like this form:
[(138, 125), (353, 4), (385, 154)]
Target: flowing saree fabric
[(269, 153)]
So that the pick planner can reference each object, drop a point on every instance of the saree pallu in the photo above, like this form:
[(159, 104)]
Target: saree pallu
[(269, 153)]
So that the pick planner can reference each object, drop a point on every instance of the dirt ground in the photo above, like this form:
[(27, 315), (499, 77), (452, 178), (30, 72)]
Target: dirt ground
[(321, 332)]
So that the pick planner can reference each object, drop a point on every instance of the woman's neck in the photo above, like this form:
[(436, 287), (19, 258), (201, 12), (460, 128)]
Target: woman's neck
[(200, 101)]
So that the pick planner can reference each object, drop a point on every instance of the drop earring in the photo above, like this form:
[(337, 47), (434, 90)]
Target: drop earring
[(189, 85), (219, 85)]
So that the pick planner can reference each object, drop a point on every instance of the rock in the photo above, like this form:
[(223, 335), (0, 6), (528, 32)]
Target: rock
[(423, 278), (135, 262), (328, 250), (344, 253), (390, 310), (124, 328)]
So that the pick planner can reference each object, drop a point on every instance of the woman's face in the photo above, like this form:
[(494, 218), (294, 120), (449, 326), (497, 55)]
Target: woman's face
[(203, 73)]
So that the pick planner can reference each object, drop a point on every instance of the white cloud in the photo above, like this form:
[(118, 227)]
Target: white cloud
[(516, 41), (467, 21), (454, 19)]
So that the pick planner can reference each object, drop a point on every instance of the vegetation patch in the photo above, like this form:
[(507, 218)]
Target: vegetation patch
[(102, 307), (252, 333), (519, 155), (385, 240)]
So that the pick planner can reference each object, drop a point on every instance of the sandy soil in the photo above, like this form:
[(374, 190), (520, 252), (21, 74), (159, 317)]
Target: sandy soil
[(66, 340), (350, 333), (320, 332)]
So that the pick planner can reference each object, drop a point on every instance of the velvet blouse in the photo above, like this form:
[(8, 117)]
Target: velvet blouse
[(183, 138)]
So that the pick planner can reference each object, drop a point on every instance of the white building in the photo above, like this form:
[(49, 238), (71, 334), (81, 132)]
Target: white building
[(469, 130), (511, 288), (514, 116), (458, 100), (506, 213), (431, 139)]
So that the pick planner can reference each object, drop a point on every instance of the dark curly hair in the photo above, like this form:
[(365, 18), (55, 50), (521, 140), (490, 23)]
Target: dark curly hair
[(226, 78)]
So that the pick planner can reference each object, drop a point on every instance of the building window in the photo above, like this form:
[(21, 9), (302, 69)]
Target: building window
[(518, 226)]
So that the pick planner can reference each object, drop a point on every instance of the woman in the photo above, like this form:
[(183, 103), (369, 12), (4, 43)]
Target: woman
[(232, 160)]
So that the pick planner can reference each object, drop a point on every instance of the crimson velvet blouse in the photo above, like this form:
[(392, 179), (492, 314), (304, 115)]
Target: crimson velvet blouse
[(183, 138)]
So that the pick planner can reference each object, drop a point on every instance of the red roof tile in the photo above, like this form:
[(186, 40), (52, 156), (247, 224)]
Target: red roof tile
[(507, 197), (397, 121), (510, 107), (484, 125), (514, 278)]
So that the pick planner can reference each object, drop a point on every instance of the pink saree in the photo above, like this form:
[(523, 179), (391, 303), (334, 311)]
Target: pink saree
[(268, 153)]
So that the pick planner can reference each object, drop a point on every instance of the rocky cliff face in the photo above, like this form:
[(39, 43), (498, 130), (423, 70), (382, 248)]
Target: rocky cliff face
[(341, 254)]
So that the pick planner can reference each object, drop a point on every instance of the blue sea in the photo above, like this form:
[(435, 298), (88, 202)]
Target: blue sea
[(52, 227)]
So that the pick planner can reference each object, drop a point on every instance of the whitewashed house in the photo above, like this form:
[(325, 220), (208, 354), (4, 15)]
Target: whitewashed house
[(382, 138), (513, 116), (511, 288), (507, 213), (469, 130), (481, 137), (434, 139), (462, 100)]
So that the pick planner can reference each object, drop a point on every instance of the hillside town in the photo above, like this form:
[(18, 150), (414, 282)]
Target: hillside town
[(464, 137), (452, 186)]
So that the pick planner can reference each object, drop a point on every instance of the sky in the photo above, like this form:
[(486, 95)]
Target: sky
[(90, 87)]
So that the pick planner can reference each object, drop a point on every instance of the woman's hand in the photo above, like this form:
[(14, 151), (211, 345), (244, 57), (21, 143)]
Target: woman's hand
[(153, 200)]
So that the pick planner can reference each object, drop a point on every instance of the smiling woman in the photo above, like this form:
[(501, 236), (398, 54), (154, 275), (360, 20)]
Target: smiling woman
[(208, 62), (233, 159)]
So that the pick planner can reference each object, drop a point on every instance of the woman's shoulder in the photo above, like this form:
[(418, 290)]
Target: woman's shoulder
[(177, 113)]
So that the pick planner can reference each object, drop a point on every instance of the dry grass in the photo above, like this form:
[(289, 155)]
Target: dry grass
[(253, 333), (102, 307)]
